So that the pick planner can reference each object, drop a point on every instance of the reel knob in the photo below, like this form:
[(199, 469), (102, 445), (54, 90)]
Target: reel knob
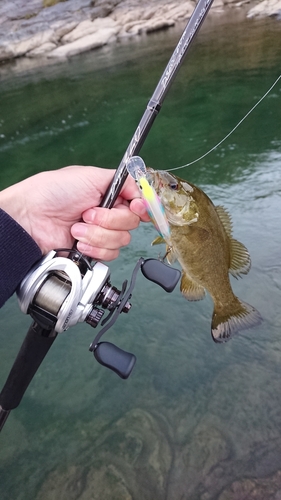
[(114, 358)]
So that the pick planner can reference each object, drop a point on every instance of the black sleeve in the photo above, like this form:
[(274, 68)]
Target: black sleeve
[(18, 253)]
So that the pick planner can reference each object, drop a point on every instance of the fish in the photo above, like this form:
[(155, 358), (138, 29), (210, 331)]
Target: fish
[(201, 241)]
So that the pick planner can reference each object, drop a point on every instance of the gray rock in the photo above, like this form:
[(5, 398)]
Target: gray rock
[(93, 41), (28, 29), (89, 27), (265, 9)]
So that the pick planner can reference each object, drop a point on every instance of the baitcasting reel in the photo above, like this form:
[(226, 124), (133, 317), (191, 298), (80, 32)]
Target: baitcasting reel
[(60, 292)]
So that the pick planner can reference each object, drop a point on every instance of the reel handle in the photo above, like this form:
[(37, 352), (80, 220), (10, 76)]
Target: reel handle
[(114, 358)]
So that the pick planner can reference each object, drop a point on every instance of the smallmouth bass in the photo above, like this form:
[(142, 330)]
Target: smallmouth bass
[(201, 240)]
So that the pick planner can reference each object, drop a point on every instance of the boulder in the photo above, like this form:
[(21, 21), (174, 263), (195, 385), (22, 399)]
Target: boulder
[(74, 26), (42, 49), (89, 27), (22, 47), (93, 41), (266, 8), (63, 27)]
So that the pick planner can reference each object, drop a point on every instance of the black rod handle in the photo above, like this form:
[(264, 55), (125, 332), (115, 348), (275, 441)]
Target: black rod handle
[(32, 352)]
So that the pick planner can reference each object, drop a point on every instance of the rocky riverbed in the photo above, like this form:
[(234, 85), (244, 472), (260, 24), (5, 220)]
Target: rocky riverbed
[(51, 29)]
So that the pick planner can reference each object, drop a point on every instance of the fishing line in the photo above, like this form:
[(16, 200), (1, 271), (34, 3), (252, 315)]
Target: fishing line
[(229, 134), (81, 254)]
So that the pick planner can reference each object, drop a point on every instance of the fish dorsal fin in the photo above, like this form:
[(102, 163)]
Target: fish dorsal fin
[(240, 262), (225, 219)]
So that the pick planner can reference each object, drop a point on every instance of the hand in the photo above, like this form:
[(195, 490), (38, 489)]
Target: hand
[(59, 206)]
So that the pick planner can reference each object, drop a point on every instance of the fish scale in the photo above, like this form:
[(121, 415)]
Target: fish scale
[(201, 240)]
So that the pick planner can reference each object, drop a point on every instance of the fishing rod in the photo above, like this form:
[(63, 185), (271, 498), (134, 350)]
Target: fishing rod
[(155, 103), (60, 292)]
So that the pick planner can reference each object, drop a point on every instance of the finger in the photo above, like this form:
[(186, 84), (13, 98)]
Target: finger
[(119, 217), (130, 189), (97, 253), (100, 237), (138, 207)]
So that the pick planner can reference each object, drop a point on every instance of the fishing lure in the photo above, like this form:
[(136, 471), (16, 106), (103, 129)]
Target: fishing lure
[(137, 169)]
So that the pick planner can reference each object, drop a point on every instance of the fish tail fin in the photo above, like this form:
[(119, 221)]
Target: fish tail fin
[(241, 317)]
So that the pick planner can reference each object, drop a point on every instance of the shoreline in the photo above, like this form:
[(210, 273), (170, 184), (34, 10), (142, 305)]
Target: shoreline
[(36, 37)]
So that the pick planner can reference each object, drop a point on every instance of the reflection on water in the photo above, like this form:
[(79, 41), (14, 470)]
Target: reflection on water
[(195, 420)]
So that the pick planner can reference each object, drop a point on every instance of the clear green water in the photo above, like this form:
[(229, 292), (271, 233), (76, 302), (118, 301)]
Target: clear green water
[(195, 420)]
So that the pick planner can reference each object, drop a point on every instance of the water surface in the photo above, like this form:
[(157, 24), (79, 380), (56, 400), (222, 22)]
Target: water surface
[(195, 420)]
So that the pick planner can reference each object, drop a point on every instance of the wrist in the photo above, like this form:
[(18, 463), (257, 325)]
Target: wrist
[(13, 203)]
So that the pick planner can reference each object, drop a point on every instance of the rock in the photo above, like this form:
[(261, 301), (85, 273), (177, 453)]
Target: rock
[(266, 8), (137, 27), (20, 9), (182, 11), (29, 29), (254, 489), (152, 18), (61, 28), (6, 51), (17, 49), (42, 49), (130, 461), (68, 483), (84, 44), (89, 27), (102, 10)]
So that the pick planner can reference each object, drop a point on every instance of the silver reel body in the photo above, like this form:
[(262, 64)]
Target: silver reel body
[(56, 286)]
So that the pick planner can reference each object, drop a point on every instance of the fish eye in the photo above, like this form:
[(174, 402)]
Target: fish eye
[(174, 185)]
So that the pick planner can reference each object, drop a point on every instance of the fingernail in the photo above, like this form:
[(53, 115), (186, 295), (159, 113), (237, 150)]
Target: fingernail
[(142, 208)]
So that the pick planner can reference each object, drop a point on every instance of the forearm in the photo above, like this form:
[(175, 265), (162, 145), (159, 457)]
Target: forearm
[(18, 253)]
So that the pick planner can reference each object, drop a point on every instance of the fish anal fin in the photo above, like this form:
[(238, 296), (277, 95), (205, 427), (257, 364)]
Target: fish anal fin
[(224, 326), (240, 262), (190, 289), (225, 219)]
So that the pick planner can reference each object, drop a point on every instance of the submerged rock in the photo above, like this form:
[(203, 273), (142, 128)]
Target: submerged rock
[(268, 488), (130, 461)]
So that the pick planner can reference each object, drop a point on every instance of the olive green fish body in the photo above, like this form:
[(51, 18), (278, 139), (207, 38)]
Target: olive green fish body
[(201, 240)]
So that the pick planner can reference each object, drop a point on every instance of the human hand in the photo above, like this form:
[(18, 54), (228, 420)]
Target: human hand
[(59, 206)]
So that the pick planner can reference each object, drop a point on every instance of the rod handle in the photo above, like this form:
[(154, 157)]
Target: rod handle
[(31, 354)]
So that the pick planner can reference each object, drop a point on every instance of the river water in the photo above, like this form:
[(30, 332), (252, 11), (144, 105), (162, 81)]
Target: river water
[(195, 420)]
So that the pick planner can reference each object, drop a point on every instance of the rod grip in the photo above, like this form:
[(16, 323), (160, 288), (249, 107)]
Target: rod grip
[(31, 354)]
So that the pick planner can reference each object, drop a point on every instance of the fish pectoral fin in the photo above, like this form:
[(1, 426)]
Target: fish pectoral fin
[(158, 241), (240, 259), (225, 326), (190, 289)]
